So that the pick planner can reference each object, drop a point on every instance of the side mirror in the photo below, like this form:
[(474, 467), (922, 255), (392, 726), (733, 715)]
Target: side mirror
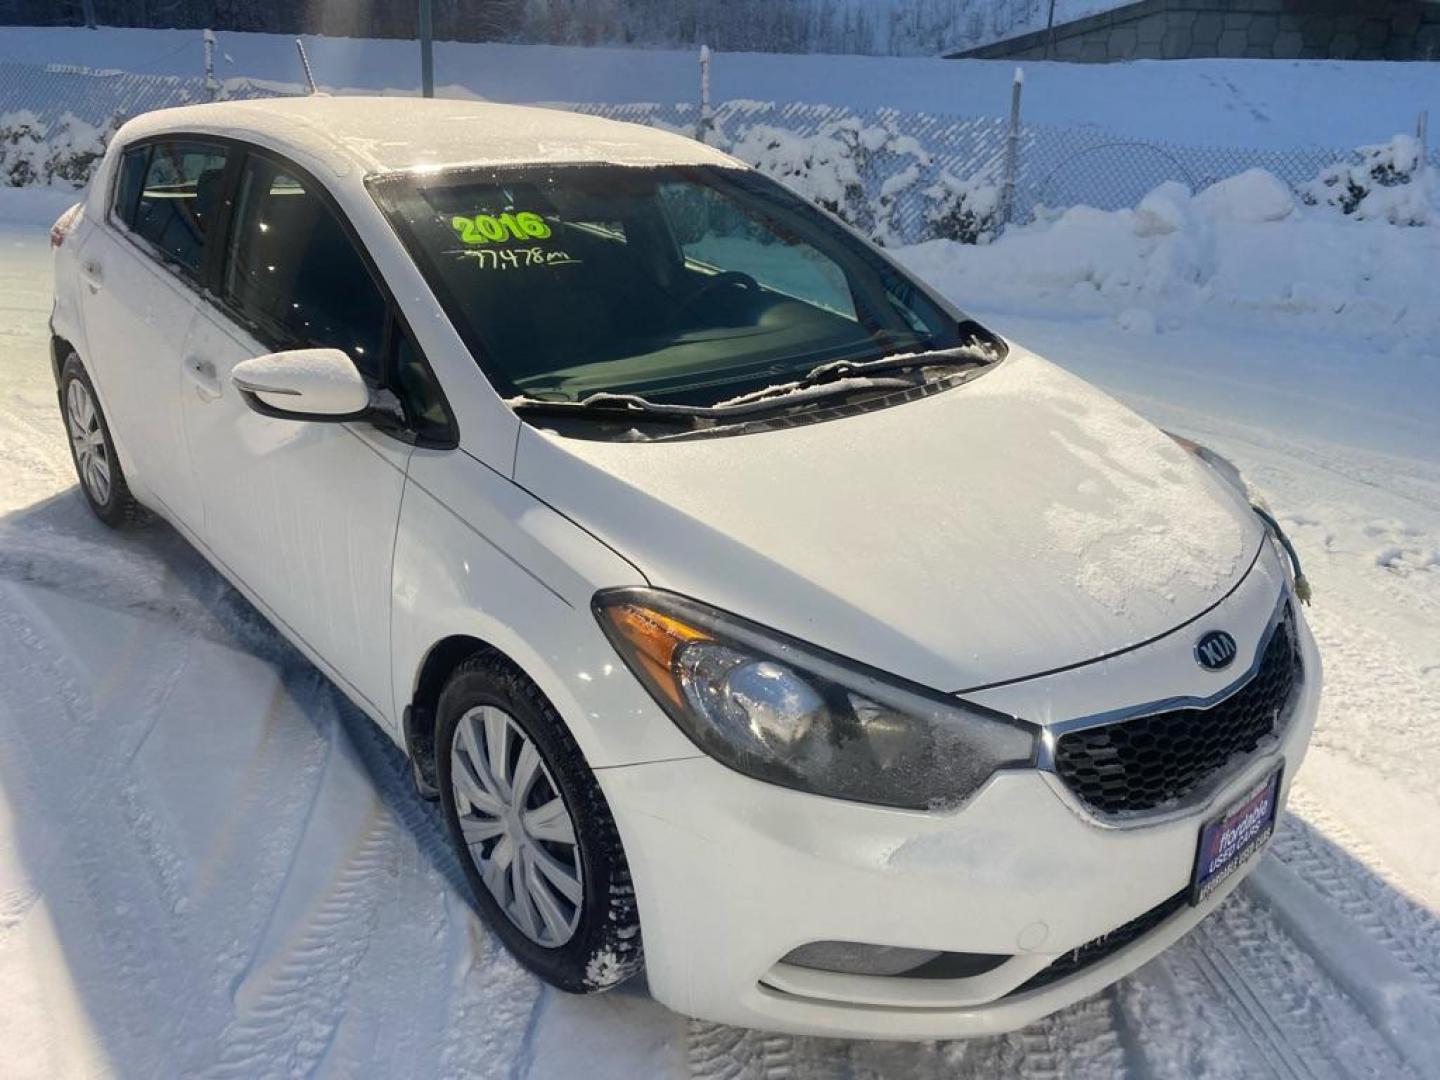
[(303, 384)]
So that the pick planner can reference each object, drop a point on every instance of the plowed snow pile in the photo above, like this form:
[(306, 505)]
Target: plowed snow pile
[(1246, 244)]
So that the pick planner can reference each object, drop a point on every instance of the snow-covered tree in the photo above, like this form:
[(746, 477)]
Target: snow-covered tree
[(1390, 181), (22, 148)]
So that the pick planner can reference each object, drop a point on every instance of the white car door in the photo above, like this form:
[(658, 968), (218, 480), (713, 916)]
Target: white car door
[(303, 513), (140, 278)]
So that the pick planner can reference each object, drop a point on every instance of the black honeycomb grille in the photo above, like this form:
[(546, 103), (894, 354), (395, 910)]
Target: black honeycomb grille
[(1136, 765)]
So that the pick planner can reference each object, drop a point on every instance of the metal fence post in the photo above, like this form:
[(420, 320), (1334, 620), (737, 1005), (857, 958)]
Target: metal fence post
[(305, 66), (1422, 132), (707, 117), (1012, 149), (212, 84), (427, 51)]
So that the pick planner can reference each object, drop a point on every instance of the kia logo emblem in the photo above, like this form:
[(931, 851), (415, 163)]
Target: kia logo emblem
[(1215, 650)]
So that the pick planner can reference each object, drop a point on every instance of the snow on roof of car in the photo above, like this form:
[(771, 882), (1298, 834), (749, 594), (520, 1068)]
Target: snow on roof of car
[(385, 134)]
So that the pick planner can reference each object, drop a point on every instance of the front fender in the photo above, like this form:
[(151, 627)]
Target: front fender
[(477, 555)]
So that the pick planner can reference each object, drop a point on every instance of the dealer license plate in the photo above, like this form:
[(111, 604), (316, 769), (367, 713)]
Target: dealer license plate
[(1236, 836)]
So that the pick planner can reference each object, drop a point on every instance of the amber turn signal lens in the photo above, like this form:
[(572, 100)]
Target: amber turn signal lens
[(653, 638)]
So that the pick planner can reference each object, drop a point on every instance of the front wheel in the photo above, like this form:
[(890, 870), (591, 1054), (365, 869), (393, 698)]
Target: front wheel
[(536, 838)]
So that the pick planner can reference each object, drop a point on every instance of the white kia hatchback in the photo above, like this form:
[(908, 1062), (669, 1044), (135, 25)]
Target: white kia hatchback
[(733, 591)]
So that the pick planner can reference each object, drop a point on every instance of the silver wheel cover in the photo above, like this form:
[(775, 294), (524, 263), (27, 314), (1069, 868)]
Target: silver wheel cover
[(91, 459), (517, 828)]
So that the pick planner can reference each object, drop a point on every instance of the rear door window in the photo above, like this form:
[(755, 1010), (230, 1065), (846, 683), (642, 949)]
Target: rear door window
[(294, 274), (178, 199)]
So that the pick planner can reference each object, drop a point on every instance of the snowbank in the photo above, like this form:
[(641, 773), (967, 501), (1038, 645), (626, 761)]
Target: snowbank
[(1245, 243), (1253, 195)]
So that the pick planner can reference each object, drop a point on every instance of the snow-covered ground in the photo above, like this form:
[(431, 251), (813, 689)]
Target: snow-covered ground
[(211, 865)]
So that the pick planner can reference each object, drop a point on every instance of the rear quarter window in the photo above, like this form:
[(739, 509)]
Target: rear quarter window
[(127, 184)]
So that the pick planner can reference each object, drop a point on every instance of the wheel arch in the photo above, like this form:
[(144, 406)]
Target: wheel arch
[(435, 669), (60, 349), (481, 564)]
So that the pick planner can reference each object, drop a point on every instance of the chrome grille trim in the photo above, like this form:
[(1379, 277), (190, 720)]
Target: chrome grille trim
[(1204, 791)]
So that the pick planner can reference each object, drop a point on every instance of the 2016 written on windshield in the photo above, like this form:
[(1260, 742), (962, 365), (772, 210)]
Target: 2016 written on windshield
[(500, 228)]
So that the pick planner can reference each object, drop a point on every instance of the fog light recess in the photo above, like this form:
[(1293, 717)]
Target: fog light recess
[(853, 958)]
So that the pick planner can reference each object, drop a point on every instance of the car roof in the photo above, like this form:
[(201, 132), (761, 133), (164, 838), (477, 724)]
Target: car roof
[(390, 134)]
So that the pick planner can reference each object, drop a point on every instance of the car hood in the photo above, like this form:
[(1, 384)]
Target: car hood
[(1018, 523)]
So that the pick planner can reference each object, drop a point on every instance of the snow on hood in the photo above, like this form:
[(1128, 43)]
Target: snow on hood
[(1019, 523)]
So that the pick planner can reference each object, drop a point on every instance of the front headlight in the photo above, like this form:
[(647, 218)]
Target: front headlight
[(792, 714)]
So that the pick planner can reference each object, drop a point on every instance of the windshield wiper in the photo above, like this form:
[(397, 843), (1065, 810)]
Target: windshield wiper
[(832, 377), (620, 407), (606, 406), (848, 372)]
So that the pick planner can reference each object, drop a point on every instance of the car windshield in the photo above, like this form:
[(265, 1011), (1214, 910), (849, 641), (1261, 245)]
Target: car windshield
[(686, 285)]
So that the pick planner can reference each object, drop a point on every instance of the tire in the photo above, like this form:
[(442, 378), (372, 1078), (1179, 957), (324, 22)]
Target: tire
[(92, 450), (584, 943)]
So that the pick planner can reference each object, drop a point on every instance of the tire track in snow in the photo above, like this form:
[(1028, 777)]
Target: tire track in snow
[(390, 769), (117, 898), (1298, 1020), (45, 447), (1382, 989), (289, 998), (720, 1052), (494, 1007), (1352, 879), (19, 801), (1082, 1040), (286, 1029), (162, 856), (1254, 1020), (291, 1005)]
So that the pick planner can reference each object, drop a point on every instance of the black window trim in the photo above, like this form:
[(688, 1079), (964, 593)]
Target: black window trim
[(208, 285)]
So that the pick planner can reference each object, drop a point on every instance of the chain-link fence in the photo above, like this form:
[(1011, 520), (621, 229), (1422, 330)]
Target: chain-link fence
[(879, 168), (101, 97), (895, 174), (901, 158), (1067, 167)]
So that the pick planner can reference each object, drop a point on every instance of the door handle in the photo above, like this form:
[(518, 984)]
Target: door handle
[(201, 373), (93, 274)]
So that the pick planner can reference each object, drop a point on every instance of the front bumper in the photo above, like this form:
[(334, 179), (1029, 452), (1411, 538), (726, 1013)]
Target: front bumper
[(731, 874)]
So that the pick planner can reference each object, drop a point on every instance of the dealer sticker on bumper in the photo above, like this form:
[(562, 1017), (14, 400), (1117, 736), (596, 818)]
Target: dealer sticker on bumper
[(1232, 839)]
